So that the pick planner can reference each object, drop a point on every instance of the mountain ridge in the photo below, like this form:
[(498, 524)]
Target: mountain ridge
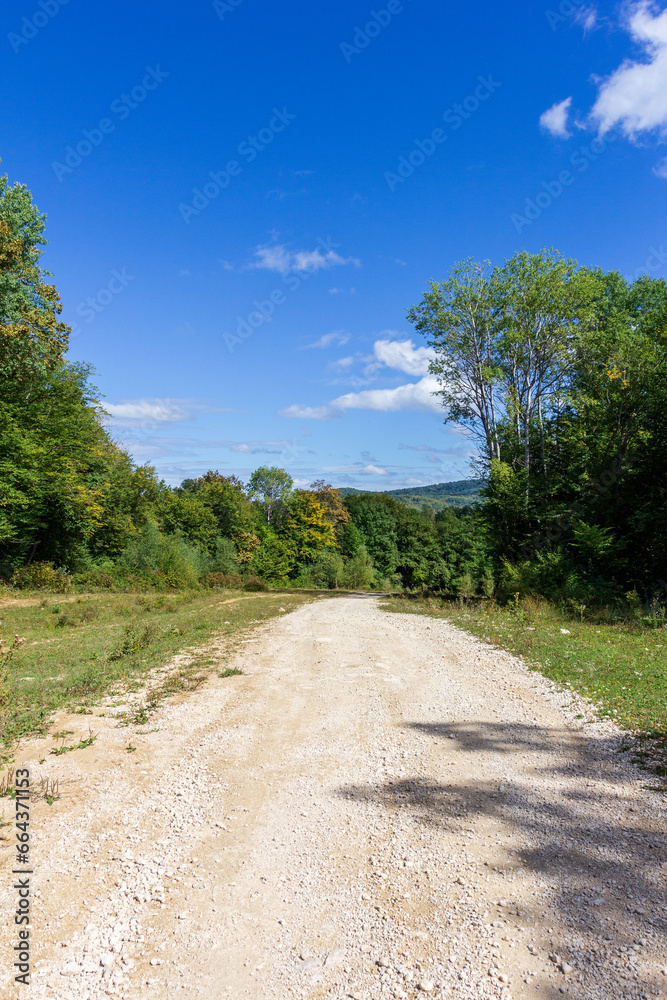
[(437, 496)]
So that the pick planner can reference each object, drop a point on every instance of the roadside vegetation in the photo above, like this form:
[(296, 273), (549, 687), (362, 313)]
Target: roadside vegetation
[(615, 658), (75, 651)]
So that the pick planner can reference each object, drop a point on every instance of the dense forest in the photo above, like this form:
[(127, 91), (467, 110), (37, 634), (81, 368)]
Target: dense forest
[(559, 370)]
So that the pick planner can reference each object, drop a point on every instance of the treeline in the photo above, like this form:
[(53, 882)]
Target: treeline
[(560, 372)]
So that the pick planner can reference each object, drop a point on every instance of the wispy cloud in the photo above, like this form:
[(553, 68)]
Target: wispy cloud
[(335, 339), (148, 412), (246, 449), (342, 364), (134, 412), (277, 257), (660, 169), (259, 447), (554, 120), (423, 448), (587, 17), (297, 412)]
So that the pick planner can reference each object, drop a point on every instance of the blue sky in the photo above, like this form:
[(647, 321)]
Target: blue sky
[(244, 198)]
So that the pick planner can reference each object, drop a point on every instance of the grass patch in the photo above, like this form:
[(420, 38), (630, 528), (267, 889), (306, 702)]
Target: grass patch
[(82, 649), (620, 666), (230, 672)]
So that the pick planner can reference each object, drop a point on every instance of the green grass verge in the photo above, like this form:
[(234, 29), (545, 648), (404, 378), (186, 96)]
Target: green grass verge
[(78, 650), (620, 667)]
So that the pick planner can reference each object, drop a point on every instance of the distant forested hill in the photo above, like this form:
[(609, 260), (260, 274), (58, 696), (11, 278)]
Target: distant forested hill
[(437, 497)]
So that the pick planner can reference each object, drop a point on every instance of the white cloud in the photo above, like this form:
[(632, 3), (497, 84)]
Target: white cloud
[(404, 356), (373, 470), (555, 119), (337, 338), (660, 169), (273, 258), (140, 411), (634, 97), (415, 396), (401, 355), (276, 257)]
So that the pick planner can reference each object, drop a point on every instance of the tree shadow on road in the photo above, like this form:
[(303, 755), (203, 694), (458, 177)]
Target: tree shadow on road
[(599, 854)]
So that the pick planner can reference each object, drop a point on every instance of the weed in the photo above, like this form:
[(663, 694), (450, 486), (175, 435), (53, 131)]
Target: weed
[(135, 637), (230, 672), (81, 745), (7, 654), (129, 748), (7, 789), (49, 789)]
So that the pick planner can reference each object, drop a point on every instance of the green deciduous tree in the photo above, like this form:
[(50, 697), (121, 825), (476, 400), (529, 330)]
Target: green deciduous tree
[(271, 488)]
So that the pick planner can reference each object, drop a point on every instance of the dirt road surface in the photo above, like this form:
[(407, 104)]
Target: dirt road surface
[(381, 806)]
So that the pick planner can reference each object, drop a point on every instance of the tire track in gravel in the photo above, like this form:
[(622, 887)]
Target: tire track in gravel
[(381, 806)]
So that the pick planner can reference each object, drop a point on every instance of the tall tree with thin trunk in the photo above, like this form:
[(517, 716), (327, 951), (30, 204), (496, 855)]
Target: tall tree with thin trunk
[(457, 318)]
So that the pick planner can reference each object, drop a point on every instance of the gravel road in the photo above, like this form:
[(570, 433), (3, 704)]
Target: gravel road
[(381, 806)]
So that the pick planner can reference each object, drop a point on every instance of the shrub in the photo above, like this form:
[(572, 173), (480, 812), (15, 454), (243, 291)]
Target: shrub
[(102, 577), (134, 638), (328, 570), (224, 559), (304, 579), (271, 562), (179, 563), (358, 572), (253, 583), (41, 576)]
